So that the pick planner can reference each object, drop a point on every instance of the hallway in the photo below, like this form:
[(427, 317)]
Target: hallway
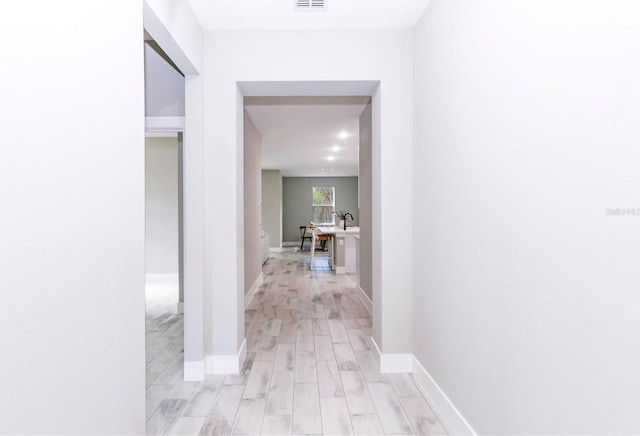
[(309, 366)]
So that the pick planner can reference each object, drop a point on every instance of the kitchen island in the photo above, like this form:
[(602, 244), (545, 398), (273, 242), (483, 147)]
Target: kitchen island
[(342, 249)]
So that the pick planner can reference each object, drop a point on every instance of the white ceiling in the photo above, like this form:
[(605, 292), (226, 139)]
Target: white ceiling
[(299, 134), (282, 15), (163, 84)]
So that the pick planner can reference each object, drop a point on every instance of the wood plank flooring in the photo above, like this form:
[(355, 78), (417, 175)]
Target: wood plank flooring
[(309, 367)]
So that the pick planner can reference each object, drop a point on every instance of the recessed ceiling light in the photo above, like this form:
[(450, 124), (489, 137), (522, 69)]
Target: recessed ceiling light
[(335, 148), (331, 157), (343, 135)]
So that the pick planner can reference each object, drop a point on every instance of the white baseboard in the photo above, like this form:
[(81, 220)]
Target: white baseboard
[(275, 249), (392, 362), (252, 291), (161, 278), (226, 363), (449, 416), (341, 270), (366, 301), (445, 410), (194, 370), (180, 307)]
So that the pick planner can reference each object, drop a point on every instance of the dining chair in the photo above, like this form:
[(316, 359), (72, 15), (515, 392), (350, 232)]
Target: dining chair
[(303, 236)]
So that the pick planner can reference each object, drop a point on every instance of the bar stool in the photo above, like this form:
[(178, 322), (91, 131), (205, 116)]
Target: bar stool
[(323, 238)]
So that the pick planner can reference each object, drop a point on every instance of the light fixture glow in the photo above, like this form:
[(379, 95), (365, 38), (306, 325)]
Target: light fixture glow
[(331, 157), (343, 135), (335, 148)]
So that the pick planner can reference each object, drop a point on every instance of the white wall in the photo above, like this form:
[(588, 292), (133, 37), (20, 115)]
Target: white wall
[(304, 56), (272, 206), (161, 204), (364, 200), (72, 239), (174, 26), (253, 247), (526, 301)]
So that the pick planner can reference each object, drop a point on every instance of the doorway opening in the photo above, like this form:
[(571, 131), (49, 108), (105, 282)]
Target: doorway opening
[(306, 133), (164, 223)]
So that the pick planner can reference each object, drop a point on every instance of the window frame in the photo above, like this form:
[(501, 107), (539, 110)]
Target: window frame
[(316, 206)]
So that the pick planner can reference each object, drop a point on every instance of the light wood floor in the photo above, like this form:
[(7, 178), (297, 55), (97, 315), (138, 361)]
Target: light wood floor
[(309, 367)]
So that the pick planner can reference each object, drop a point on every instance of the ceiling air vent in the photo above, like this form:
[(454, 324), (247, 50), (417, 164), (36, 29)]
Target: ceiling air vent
[(309, 5)]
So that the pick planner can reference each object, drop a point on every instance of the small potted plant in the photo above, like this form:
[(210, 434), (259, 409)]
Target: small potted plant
[(345, 217)]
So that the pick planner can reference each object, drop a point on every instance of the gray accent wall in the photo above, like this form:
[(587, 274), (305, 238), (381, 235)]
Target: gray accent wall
[(252, 206), (272, 206), (365, 202), (297, 201)]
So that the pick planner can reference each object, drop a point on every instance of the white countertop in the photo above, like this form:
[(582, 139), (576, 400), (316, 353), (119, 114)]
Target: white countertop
[(338, 231)]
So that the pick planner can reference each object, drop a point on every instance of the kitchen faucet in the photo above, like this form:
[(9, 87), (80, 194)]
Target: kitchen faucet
[(345, 219)]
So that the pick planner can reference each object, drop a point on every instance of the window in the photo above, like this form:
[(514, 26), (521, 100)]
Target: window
[(324, 202)]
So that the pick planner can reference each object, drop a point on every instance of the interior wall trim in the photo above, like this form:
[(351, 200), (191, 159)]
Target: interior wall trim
[(226, 363), (448, 415), (252, 291), (443, 407), (366, 301), (392, 362), (161, 278), (164, 124), (194, 370)]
